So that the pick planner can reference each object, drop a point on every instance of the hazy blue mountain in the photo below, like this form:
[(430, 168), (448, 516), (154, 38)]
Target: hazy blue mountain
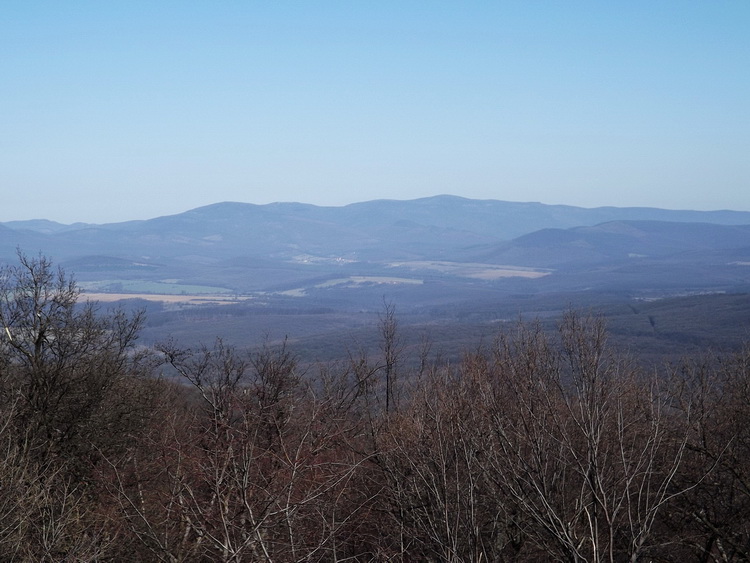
[(617, 241), (44, 226), (13, 239), (286, 246), (507, 220), (381, 229)]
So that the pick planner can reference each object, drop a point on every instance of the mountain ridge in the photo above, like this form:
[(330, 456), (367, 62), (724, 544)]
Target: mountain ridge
[(302, 249), (597, 214)]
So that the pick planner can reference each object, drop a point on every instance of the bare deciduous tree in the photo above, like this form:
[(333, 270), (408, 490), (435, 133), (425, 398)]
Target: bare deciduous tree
[(391, 348), (69, 389), (64, 361), (261, 472), (587, 447), (714, 518)]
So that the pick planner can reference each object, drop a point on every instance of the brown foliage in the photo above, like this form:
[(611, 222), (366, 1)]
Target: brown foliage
[(542, 447)]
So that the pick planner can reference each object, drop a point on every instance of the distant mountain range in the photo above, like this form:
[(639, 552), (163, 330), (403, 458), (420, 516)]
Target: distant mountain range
[(241, 247)]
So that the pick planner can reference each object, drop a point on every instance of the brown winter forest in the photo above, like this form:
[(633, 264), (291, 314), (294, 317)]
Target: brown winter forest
[(537, 446)]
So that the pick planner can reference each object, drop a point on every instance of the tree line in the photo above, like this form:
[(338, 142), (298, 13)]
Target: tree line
[(541, 446)]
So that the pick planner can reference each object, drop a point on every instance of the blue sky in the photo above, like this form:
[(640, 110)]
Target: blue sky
[(121, 110)]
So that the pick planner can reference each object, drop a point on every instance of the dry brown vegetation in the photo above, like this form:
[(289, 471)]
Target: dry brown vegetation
[(539, 447)]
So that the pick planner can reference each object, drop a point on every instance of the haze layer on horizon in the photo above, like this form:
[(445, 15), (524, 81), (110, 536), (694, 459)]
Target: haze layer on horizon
[(130, 110)]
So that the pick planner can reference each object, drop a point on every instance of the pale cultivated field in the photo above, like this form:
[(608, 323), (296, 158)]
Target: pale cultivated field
[(201, 299), (352, 281), (475, 270), (359, 280), (479, 271)]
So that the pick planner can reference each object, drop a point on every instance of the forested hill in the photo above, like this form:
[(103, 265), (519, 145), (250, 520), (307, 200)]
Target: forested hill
[(380, 229)]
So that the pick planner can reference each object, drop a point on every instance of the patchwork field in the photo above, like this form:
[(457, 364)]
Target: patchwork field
[(474, 269), (167, 298), (162, 287)]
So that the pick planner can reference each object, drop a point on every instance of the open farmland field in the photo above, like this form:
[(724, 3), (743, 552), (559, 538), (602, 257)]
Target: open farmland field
[(474, 270), (353, 282), (161, 287), (166, 298)]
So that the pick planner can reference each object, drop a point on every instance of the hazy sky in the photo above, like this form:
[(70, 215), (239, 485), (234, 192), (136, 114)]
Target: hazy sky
[(114, 110)]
